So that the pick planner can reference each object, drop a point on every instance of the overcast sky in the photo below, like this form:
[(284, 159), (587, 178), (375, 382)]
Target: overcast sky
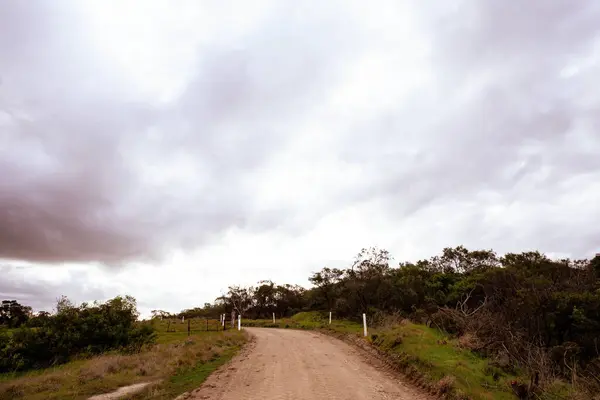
[(169, 149)]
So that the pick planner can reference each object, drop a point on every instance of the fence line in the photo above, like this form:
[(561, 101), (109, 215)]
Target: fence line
[(191, 325)]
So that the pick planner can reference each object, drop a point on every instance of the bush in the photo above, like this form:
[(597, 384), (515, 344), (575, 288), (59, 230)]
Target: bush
[(448, 321), (139, 337), (83, 330)]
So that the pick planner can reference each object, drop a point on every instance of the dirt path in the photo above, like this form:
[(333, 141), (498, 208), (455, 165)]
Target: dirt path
[(284, 364)]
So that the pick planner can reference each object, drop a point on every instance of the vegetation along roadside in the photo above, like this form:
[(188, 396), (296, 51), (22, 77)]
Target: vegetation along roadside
[(121, 352)]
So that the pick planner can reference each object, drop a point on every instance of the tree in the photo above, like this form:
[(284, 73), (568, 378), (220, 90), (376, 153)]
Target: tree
[(160, 314), (595, 264), (326, 282), (371, 261), (289, 299), (241, 298), (265, 301), (63, 304), (367, 283), (39, 319), (13, 314)]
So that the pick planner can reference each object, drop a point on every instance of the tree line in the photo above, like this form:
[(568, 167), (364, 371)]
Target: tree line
[(254, 302), (524, 308)]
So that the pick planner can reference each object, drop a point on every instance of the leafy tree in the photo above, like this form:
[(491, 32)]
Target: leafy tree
[(240, 298), (326, 282), (39, 319), (160, 314), (13, 314)]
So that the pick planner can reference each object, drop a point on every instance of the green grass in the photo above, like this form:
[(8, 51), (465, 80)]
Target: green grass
[(180, 362), (306, 320), (8, 331), (436, 356), (175, 325)]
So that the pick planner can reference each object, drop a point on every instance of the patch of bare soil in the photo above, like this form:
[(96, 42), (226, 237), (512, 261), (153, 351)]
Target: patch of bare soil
[(123, 391)]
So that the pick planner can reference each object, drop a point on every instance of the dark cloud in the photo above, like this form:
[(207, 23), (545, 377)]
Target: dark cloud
[(83, 158)]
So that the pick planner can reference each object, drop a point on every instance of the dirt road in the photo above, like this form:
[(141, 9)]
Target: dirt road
[(287, 364)]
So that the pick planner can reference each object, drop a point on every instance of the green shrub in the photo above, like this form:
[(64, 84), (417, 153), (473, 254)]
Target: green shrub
[(83, 330)]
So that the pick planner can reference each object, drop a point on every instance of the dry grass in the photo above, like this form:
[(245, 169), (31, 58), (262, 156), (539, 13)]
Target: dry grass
[(446, 384), (80, 379), (469, 341), (388, 321)]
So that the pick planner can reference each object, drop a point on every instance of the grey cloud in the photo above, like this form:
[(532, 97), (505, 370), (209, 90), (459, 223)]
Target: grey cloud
[(74, 140), (16, 284)]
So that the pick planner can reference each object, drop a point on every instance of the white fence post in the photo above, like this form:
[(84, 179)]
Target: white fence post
[(223, 320), (273, 317), (183, 319), (239, 322), (365, 323), (329, 317)]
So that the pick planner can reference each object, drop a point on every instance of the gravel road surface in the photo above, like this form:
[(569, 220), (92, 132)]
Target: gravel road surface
[(282, 364)]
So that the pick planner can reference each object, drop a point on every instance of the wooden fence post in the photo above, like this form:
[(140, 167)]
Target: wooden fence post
[(189, 328)]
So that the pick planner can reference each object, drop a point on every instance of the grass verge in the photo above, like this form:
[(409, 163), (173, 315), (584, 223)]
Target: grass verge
[(191, 377), (179, 361), (306, 320), (441, 364)]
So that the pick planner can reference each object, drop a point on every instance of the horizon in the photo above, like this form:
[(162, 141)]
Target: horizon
[(393, 263)]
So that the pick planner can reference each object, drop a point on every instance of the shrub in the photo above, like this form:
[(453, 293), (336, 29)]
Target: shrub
[(448, 321), (83, 330)]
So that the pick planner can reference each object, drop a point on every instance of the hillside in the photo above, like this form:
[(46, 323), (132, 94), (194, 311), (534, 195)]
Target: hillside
[(464, 323), (523, 316)]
